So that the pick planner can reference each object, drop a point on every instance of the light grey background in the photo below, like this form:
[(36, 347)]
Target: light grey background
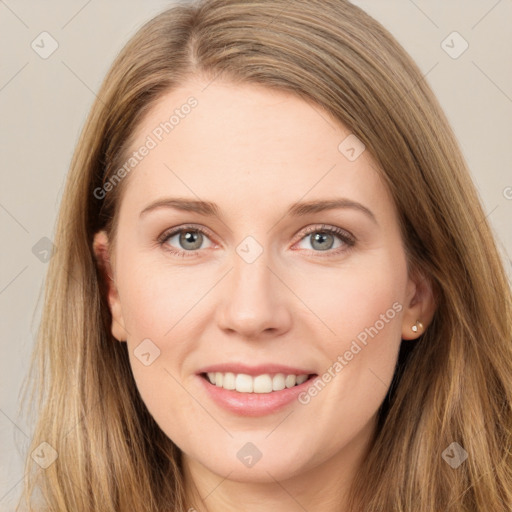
[(44, 102)]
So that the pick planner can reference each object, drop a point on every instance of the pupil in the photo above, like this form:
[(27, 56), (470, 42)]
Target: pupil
[(321, 237), (191, 237)]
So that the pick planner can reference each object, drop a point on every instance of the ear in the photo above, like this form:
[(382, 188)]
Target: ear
[(101, 251), (420, 306)]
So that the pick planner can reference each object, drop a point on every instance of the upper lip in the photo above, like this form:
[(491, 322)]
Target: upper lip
[(255, 370)]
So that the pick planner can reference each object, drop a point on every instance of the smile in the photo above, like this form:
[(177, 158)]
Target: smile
[(264, 383), (254, 391)]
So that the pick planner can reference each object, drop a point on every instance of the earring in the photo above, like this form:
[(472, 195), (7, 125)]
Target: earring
[(418, 326)]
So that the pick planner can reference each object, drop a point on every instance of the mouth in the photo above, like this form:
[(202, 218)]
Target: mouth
[(264, 383), (254, 393)]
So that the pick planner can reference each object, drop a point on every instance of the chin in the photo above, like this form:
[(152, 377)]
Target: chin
[(258, 462)]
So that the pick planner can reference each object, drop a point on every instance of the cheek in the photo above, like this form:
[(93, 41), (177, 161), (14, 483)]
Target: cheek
[(160, 307), (156, 298), (362, 306), (359, 297)]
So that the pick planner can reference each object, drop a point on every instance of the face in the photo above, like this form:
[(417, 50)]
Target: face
[(296, 313)]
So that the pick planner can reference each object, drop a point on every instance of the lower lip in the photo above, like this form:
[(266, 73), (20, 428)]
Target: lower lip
[(253, 404)]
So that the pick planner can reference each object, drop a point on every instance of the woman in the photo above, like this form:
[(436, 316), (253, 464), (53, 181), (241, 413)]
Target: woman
[(256, 369)]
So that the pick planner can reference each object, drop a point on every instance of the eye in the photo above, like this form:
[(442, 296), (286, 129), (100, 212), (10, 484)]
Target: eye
[(188, 239), (323, 238)]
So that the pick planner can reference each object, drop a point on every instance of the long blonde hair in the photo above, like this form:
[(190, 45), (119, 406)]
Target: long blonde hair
[(455, 385)]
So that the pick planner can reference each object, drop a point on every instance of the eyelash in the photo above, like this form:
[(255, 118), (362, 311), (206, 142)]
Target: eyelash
[(347, 239)]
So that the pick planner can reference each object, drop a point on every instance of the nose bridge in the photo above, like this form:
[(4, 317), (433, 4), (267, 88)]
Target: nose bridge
[(251, 279), (253, 303), (251, 270)]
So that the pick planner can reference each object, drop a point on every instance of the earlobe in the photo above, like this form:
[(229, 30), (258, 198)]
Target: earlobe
[(102, 254), (420, 307)]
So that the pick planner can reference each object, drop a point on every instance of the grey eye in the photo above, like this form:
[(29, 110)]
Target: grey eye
[(188, 239)]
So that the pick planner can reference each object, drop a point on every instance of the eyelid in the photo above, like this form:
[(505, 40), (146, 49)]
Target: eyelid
[(176, 229), (327, 228), (345, 236)]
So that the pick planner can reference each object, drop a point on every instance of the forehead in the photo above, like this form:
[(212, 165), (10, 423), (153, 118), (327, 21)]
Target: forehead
[(248, 143)]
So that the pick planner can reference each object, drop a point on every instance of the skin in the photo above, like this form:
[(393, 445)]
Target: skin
[(253, 152)]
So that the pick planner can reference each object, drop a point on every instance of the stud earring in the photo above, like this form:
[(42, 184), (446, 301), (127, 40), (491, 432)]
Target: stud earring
[(418, 326)]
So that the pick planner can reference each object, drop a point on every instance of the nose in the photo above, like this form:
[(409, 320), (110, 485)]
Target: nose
[(255, 300)]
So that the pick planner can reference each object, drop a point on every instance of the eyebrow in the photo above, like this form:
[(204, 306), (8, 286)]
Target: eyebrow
[(298, 209)]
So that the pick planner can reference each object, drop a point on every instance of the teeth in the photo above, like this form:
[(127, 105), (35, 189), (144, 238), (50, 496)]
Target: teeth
[(262, 384), (244, 383), (229, 382), (301, 379), (278, 382), (265, 383), (290, 381)]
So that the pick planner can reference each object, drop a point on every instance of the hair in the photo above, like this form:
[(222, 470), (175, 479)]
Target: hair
[(455, 383)]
